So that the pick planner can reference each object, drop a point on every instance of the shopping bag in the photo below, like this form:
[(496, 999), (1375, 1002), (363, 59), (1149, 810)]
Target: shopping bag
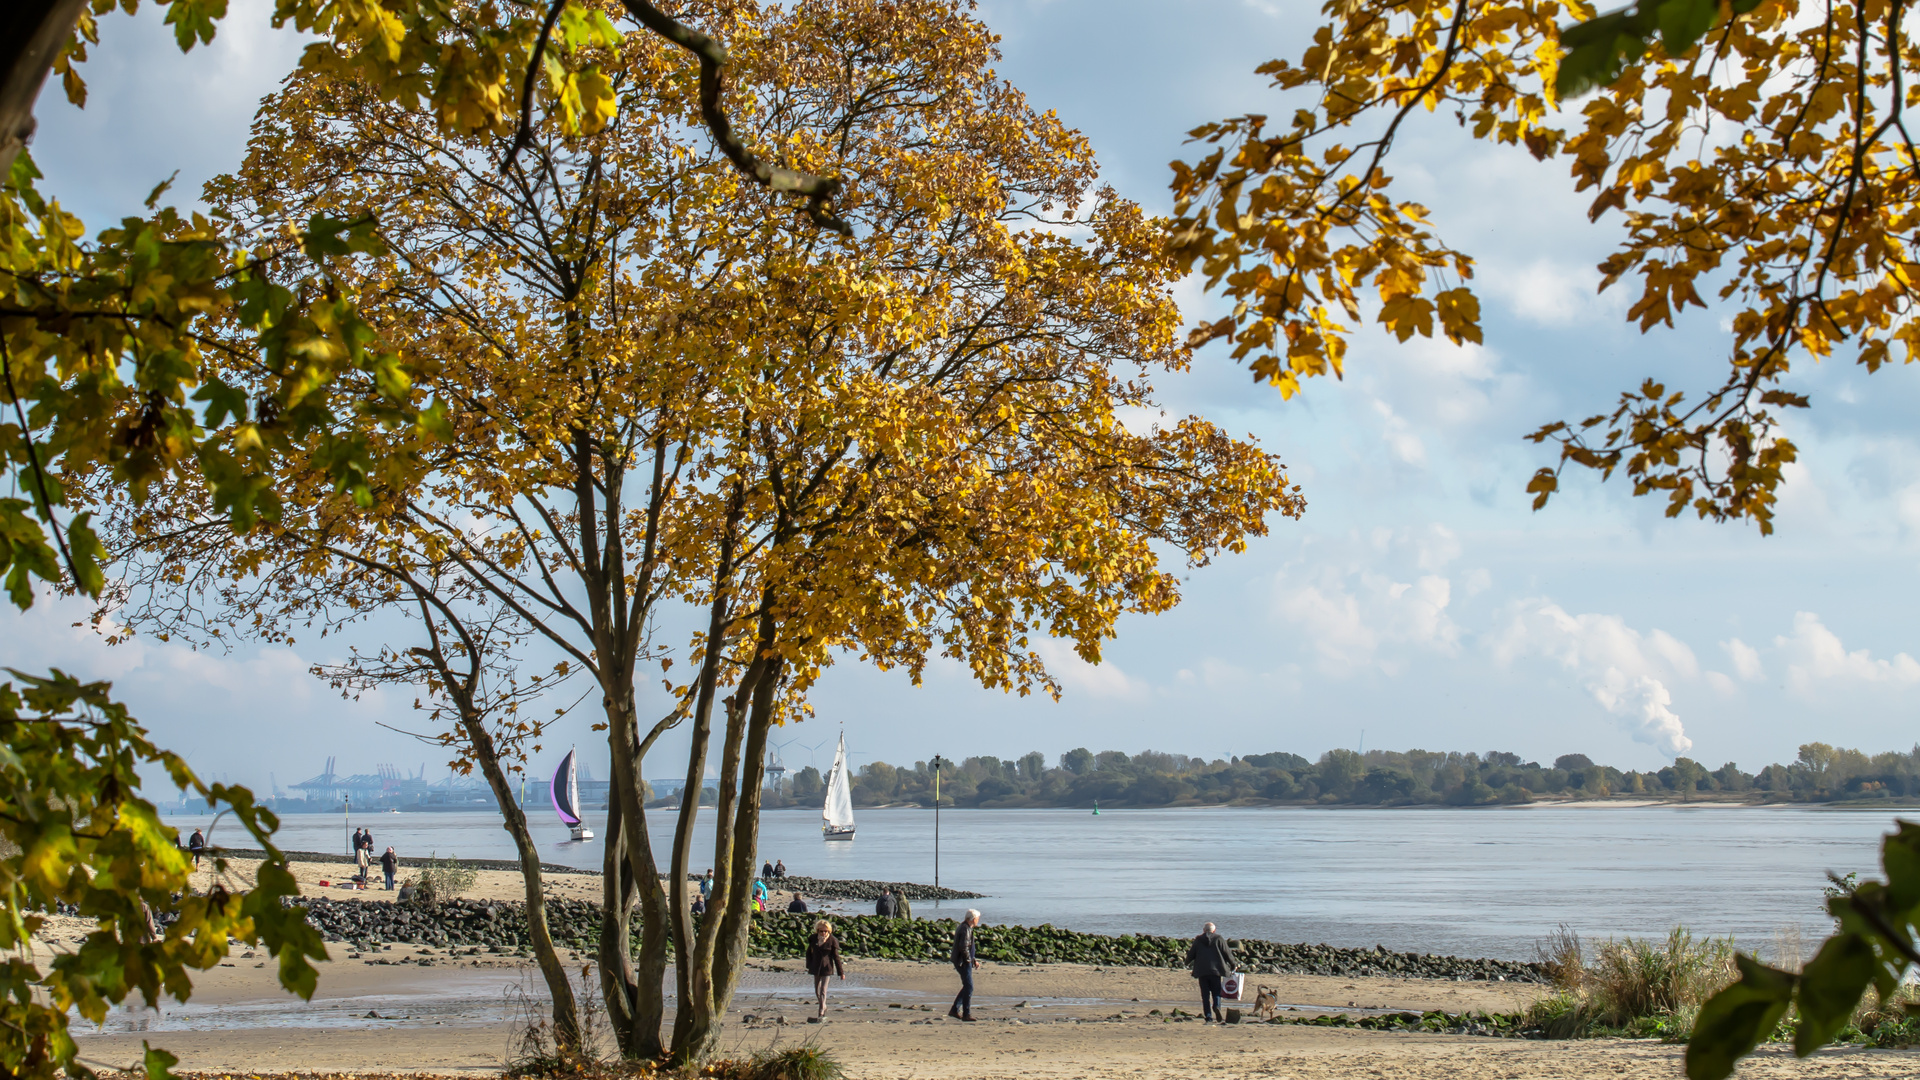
[(1230, 986)]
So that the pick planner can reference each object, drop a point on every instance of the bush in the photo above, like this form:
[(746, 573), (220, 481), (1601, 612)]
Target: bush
[(1631, 986), (804, 1062), (442, 879)]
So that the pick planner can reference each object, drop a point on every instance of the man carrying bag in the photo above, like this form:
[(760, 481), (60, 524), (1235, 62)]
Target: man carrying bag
[(1210, 961)]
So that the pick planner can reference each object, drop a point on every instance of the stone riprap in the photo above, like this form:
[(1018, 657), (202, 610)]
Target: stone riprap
[(865, 890), (575, 924)]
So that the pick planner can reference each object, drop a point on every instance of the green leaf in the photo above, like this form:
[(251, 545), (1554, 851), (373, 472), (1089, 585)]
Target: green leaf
[(222, 401), (433, 421), (1685, 22), (159, 189), (1900, 855), (1830, 987), (192, 20), (1733, 1021), (87, 551), (326, 236), (158, 1063)]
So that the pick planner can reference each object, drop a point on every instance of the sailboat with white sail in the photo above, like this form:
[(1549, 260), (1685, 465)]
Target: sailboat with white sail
[(565, 791), (836, 817)]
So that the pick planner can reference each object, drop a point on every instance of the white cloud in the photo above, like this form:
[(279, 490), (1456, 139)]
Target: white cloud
[(1350, 615), (1076, 676), (1404, 444), (1815, 654), (1625, 671), (1548, 293), (1746, 660)]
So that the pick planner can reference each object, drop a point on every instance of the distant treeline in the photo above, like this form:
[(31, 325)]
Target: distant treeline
[(1821, 773)]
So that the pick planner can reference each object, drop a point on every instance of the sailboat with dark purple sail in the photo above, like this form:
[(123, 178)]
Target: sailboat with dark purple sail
[(565, 790)]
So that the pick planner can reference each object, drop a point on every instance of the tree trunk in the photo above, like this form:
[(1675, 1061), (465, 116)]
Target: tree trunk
[(691, 979), (32, 33), (618, 985), (722, 945), (730, 952), (644, 979), (566, 1015)]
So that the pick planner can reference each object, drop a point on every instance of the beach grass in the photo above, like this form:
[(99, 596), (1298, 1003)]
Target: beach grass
[(1631, 986)]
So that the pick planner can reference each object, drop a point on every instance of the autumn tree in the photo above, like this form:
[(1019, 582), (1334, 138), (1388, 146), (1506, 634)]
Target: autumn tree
[(1755, 151), (662, 385), (112, 375)]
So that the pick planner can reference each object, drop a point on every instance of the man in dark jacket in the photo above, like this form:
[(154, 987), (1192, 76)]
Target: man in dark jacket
[(797, 906), (389, 865), (1210, 961), (884, 907), (964, 963)]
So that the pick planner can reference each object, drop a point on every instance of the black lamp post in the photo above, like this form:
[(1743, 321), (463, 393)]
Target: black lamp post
[(936, 765)]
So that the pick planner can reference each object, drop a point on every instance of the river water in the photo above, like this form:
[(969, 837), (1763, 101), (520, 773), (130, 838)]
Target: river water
[(1478, 882)]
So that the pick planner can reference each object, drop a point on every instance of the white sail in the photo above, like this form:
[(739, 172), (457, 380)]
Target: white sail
[(837, 814)]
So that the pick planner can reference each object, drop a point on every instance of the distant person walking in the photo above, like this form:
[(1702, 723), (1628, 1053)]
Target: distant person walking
[(766, 869), (1209, 959), (706, 886), (780, 869), (901, 907), (885, 907), (759, 895), (389, 865), (965, 963), (797, 906), (197, 846), (823, 960), (363, 854)]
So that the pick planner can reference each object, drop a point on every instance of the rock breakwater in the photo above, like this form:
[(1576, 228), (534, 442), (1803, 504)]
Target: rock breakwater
[(575, 924), (835, 889)]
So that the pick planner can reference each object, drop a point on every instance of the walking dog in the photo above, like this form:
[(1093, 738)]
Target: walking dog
[(1266, 1002)]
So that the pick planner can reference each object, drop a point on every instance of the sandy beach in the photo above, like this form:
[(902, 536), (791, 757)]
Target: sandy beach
[(416, 1009), (462, 1011)]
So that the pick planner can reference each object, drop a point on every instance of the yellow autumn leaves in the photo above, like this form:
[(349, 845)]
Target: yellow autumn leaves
[(1768, 167)]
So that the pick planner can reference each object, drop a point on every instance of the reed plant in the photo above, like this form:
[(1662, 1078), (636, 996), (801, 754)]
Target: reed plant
[(1630, 986)]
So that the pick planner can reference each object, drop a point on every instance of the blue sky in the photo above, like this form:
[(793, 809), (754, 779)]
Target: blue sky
[(1420, 602)]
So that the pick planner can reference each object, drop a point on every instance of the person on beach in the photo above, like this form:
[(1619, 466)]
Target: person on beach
[(389, 865), (780, 869), (964, 963), (699, 906), (823, 960), (363, 856), (902, 907), (706, 886), (197, 846), (1209, 959), (766, 869), (797, 906), (885, 907), (759, 895)]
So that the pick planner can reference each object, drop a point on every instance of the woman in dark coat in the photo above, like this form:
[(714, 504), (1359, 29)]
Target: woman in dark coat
[(823, 961), (964, 963), (1210, 961)]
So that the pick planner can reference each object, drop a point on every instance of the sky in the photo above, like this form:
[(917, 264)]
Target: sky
[(1419, 602)]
